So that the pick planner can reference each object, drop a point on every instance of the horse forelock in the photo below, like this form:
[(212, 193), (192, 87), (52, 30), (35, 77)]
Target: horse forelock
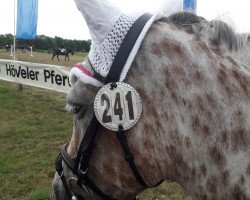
[(195, 125)]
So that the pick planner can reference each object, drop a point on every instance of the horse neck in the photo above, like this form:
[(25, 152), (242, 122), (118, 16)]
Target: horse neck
[(196, 105), (186, 131)]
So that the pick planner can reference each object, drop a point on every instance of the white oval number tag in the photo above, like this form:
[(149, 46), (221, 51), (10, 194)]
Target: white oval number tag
[(117, 104)]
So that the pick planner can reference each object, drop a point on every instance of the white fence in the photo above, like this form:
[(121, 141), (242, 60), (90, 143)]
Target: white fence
[(51, 77)]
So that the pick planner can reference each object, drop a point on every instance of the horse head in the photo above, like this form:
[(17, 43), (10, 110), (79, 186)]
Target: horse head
[(79, 103), (194, 127)]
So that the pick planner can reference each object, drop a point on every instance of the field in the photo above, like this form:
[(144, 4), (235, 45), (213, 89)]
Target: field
[(44, 57), (33, 125)]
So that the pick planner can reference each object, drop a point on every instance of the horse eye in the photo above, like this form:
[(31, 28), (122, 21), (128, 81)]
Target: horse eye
[(76, 109)]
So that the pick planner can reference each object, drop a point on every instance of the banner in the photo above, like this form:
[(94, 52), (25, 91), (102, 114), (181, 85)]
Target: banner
[(190, 5), (27, 11), (51, 77), (174, 6)]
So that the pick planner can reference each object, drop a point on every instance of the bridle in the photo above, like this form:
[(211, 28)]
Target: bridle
[(79, 165)]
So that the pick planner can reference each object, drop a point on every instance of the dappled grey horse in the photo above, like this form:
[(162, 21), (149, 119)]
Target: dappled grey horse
[(195, 123)]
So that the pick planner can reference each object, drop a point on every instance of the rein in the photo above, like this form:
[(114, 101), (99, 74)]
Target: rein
[(79, 166)]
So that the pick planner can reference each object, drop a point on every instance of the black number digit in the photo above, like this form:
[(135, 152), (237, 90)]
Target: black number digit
[(106, 118), (130, 105), (117, 106)]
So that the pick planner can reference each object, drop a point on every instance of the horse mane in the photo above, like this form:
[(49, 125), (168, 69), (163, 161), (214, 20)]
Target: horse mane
[(216, 32), (184, 20)]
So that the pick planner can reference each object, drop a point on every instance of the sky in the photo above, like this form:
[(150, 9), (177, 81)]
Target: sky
[(61, 17)]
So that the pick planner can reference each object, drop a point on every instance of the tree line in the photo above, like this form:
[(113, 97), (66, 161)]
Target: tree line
[(43, 42)]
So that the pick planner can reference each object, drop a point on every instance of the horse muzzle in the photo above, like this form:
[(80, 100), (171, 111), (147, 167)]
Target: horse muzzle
[(59, 192)]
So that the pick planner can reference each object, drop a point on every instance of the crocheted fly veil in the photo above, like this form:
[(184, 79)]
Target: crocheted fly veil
[(108, 26)]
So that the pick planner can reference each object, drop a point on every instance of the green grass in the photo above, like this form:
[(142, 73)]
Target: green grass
[(33, 125)]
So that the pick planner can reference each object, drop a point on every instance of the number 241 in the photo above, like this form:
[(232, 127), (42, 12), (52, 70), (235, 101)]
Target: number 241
[(117, 107)]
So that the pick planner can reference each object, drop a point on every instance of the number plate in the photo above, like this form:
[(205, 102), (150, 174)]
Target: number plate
[(118, 104)]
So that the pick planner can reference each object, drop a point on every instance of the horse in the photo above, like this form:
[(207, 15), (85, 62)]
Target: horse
[(7, 47), (64, 52), (195, 123), (25, 48)]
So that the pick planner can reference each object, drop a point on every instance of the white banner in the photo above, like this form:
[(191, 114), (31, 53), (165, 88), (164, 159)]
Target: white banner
[(51, 77)]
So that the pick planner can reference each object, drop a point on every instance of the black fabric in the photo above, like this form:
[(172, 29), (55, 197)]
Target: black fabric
[(114, 76), (66, 158), (86, 146), (93, 186), (129, 156), (125, 48), (59, 169)]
